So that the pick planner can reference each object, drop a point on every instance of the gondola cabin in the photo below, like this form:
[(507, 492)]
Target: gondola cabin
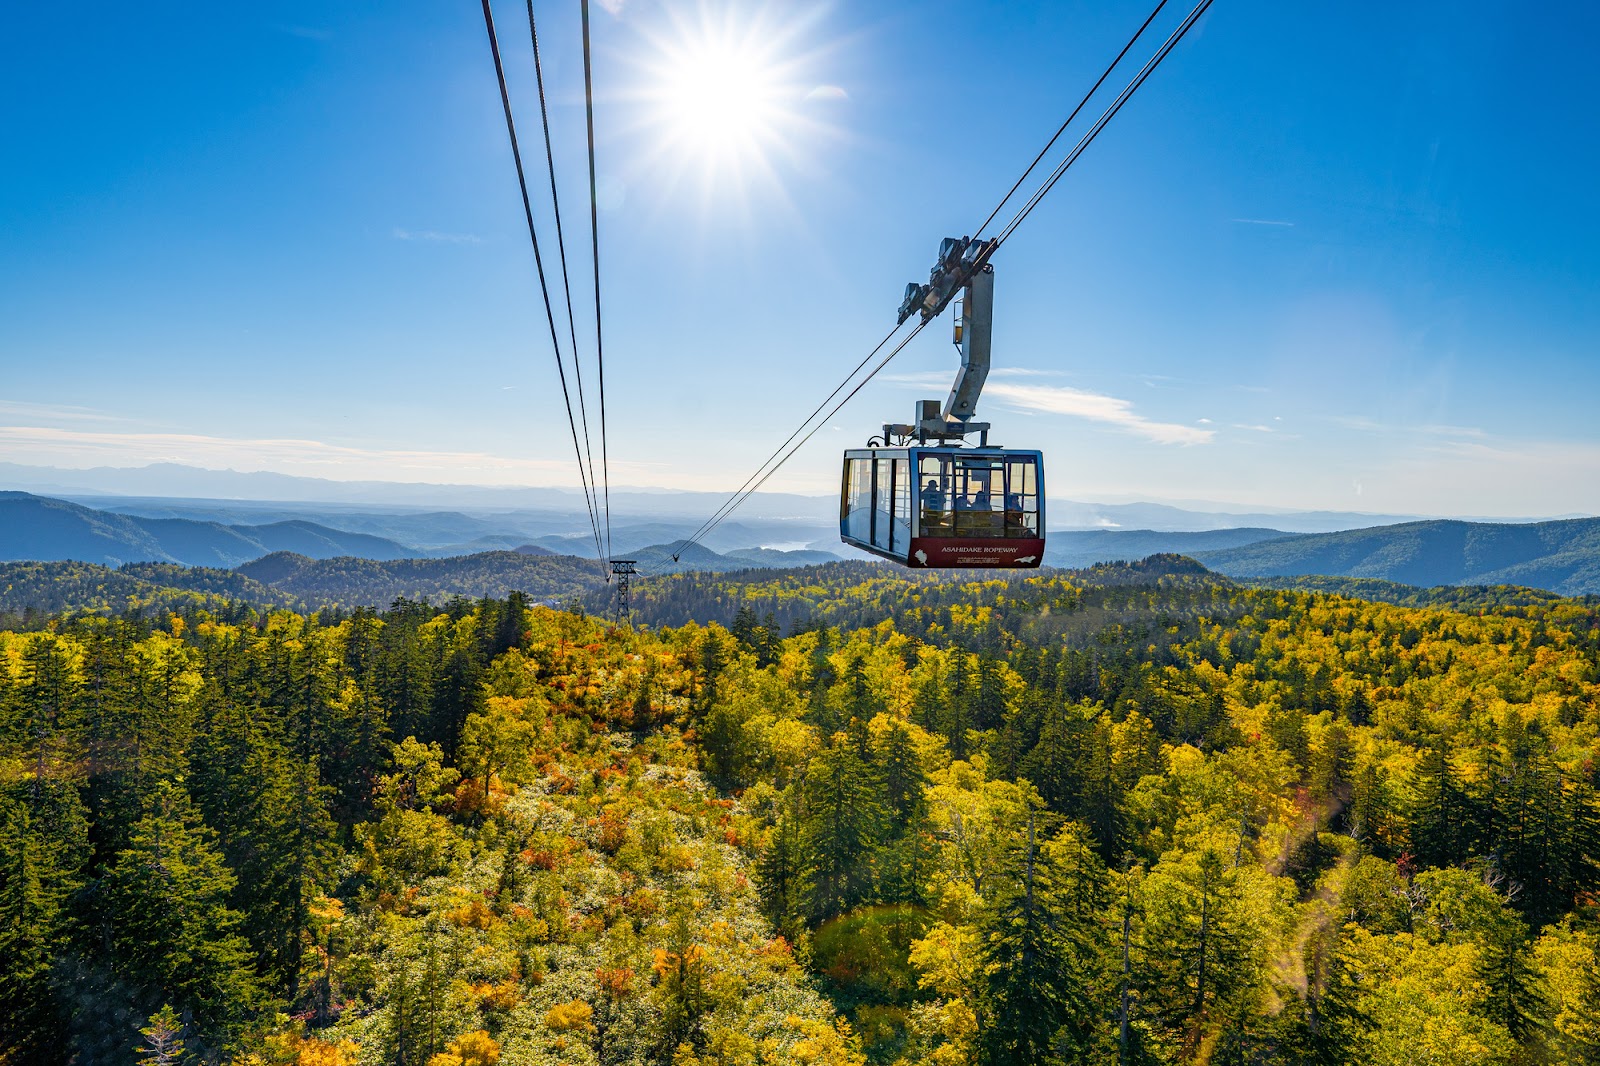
[(945, 506)]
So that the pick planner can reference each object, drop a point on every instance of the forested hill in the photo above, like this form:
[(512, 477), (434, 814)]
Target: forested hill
[(31, 590), (1142, 815), (351, 582), (1450, 597), (37, 528), (286, 580), (1560, 556)]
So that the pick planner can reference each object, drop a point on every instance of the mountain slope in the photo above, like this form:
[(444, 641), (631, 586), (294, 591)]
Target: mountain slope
[(1085, 547), (37, 528), (355, 582), (782, 560), (1562, 556), (321, 542), (74, 586)]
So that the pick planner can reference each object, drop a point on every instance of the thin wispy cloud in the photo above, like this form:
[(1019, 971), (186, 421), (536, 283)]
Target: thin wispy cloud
[(1262, 222), (1095, 407), (57, 446), (1063, 400), (436, 236), (1524, 477), (1365, 424), (1023, 372), (941, 382), (307, 33), (55, 412)]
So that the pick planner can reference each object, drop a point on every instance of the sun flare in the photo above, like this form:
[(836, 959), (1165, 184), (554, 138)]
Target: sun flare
[(722, 96), (732, 101)]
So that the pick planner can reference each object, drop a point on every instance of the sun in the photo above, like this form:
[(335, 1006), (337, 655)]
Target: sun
[(722, 98), (731, 100)]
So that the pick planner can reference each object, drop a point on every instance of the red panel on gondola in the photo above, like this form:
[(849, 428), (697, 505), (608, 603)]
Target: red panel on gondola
[(1011, 552)]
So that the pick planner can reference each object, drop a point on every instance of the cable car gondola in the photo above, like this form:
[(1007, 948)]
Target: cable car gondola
[(920, 495)]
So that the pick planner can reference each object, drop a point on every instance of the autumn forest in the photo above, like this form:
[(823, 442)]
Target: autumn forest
[(843, 815)]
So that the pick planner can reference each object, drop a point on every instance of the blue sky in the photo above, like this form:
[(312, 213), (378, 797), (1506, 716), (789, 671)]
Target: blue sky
[(1329, 256)]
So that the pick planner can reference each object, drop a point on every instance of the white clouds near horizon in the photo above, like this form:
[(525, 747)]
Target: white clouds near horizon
[(1096, 407), (1065, 400), (56, 446)]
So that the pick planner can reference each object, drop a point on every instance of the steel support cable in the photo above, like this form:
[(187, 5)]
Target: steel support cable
[(1110, 112), (732, 501), (538, 260), (1033, 201), (594, 240), (985, 225), (802, 442), (1063, 127), (561, 247)]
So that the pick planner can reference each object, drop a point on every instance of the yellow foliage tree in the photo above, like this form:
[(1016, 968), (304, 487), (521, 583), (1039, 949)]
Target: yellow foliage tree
[(573, 1016), (476, 1048)]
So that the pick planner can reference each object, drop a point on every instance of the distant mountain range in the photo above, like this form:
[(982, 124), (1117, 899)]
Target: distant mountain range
[(40, 528), (176, 481), (235, 497), (55, 554), (1562, 556), (287, 579), (464, 532)]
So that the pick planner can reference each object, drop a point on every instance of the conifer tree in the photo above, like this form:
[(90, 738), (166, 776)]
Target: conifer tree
[(40, 859), (782, 869), (46, 698), (682, 993), (1041, 954), (956, 717), (929, 701), (510, 623), (405, 670), (906, 858), (163, 908), (1053, 766), (989, 702), (844, 822), (644, 715), (163, 1039), (1196, 948), (1442, 818), (1103, 811)]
